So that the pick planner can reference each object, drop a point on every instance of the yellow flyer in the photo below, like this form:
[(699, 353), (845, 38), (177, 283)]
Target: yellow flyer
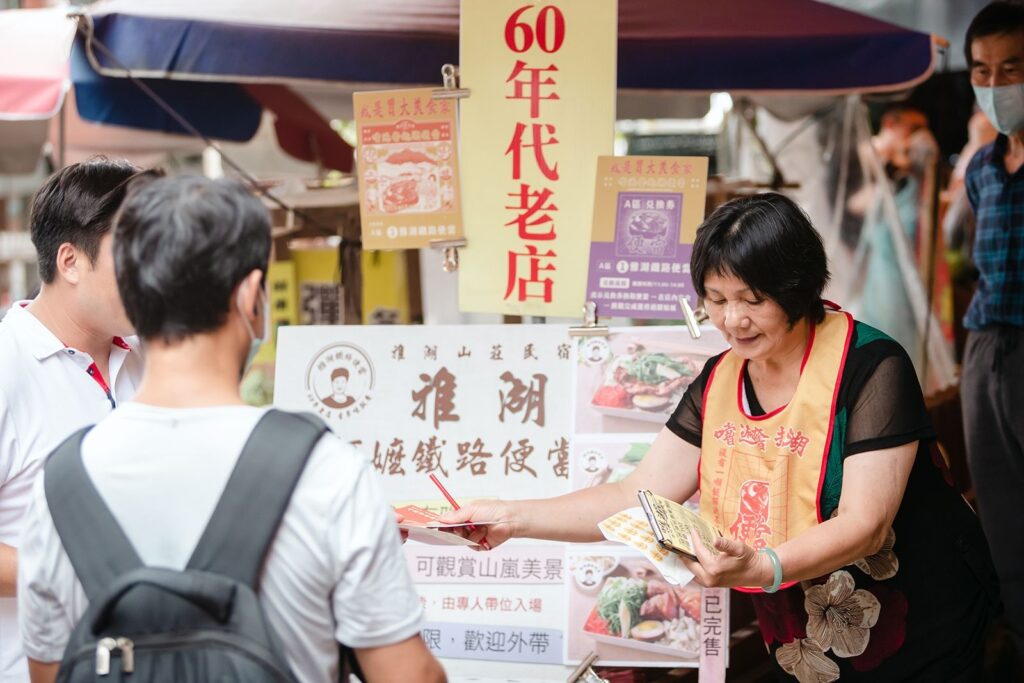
[(541, 110), (408, 168)]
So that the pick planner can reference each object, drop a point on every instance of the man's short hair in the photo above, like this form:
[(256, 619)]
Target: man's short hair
[(996, 18), (181, 246), (339, 372), (76, 205)]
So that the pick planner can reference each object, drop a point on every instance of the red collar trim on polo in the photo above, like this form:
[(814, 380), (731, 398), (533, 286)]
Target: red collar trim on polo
[(116, 341)]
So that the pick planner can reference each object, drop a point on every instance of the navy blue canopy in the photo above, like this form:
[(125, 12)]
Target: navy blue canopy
[(799, 46)]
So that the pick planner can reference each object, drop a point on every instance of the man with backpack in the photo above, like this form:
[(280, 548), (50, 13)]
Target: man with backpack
[(66, 359), (192, 537)]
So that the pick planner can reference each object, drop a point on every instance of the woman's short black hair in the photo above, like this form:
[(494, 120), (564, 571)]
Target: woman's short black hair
[(767, 241), (996, 18), (181, 246)]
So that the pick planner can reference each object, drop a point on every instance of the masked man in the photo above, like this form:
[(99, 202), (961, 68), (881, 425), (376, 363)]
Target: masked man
[(991, 388)]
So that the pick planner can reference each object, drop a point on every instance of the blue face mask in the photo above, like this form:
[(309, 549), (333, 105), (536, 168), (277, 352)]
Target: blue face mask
[(1004, 106), (256, 342)]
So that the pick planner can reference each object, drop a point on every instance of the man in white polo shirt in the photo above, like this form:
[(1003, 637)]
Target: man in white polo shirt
[(191, 255), (64, 362)]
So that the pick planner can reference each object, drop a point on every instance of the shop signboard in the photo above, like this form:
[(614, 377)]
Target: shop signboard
[(646, 213), (490, 411), (541, 110), (486, 409), (408, 168)]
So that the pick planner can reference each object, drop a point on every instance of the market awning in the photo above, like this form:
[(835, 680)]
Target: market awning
[(35, 75), (755, 46), (34, 47), (689, 45)]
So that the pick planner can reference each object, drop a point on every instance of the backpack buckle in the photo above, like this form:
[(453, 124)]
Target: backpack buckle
[(103, 649), (127, 648), (106, 647)]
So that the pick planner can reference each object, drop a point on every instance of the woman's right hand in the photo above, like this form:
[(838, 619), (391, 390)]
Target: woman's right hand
[(486, 510)]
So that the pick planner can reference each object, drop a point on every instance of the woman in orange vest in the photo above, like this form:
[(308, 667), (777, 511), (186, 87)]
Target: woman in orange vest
[(813, 453)]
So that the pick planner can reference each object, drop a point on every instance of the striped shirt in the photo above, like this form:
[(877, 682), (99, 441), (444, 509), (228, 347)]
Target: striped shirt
[(998, 202)]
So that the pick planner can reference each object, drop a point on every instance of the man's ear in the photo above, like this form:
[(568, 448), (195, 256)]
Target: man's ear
[(249, 289), (70, 262)]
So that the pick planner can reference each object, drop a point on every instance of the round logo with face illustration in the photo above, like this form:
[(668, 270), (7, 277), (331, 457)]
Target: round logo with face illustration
[(339, 381), (593, 460), (595, 351), (589, 572)]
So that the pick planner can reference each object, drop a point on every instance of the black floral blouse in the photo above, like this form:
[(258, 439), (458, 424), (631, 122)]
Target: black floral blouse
[(918, 609)]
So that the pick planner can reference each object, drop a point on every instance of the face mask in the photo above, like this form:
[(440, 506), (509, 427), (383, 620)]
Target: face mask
[(256, 342), (1004, 106)]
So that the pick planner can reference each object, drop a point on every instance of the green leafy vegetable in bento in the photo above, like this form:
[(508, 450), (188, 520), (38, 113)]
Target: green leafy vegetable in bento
[(620, 589), (635, 454), (654, 368)]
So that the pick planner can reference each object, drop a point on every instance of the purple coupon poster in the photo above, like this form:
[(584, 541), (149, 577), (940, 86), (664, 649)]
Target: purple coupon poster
[(646, 213), (644, 271)]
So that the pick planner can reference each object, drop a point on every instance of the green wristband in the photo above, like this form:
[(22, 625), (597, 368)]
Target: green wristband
[(776, 567)]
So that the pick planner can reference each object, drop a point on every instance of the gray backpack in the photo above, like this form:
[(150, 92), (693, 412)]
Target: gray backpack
[(204, 623)]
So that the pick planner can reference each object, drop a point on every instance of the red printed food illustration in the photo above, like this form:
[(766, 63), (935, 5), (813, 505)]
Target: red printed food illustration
[(751, 525), (414, 178), (400, 194)]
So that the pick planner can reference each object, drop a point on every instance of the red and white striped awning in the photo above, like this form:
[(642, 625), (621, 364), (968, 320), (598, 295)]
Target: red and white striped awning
[(34, 72)]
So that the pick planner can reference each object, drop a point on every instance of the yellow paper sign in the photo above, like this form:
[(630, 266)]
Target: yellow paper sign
[(542, 110), (318, 276), (385, 288), (281, 292), (408, 168)]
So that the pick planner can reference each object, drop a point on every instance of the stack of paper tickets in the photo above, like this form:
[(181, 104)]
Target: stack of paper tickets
[(630, 527)]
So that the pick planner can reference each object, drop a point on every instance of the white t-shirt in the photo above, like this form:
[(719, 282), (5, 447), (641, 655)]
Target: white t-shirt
[(46, 394), (335, 571)]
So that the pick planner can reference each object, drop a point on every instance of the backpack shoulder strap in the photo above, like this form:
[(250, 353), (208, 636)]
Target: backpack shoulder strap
[(238, 535), (95, 543)]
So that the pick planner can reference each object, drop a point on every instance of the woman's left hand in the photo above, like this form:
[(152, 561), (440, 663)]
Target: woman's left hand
[(734, 564)]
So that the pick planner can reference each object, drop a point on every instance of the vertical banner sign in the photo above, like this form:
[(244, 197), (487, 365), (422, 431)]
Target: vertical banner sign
[(541, 110), (646, 213), (714, 635), (484, 409), (408, 168)]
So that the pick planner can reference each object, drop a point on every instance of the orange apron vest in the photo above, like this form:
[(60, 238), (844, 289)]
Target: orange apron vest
[(761, 477)]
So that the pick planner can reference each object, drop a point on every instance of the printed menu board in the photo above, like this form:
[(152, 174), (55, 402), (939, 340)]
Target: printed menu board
[(489, 411)]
